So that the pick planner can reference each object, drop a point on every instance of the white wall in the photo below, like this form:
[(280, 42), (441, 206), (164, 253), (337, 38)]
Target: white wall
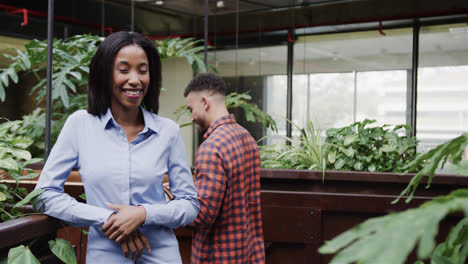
[(176, 74)]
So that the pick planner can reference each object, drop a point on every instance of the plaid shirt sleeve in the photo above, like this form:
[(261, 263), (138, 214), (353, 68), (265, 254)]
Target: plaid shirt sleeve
[(211, 185)]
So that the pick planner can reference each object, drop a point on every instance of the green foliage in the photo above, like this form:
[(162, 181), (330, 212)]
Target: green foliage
[(31, 196), (70, 72), (375, 149), (63, 250), (188, 48), (390, 238), (233, 101), (21, 255), (451, 150), (69, 83), (252, 112), (454, 250), (306, 154), (13, 161), (31, 126)]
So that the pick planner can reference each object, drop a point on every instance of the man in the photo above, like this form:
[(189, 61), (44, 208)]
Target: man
[(228, 228)]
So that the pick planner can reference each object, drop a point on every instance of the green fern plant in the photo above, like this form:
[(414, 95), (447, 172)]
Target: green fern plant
[(433, 159)]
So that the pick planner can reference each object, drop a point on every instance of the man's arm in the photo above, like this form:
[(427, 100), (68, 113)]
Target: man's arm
[(211, 185)]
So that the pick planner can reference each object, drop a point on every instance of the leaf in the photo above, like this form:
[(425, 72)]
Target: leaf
[(358, 166), (28, 176), (2, 92), (350, 139), (63, 250), (29, 197), (75, 74), (21, 255), (332, 157), (388, 148), (349, 152), (461, 168), (31, 161), (22, 142), (62, 91), (21, 154), (4, 77), (2, 197), (8, 164), (339, 164)]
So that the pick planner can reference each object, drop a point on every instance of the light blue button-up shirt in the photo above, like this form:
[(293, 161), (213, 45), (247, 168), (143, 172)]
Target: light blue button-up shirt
[(115, 171)]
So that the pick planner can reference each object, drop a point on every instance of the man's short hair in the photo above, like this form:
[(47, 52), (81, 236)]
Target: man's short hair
[(206, 82)]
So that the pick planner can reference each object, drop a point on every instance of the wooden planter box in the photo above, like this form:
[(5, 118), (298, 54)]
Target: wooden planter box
[(300, 211)]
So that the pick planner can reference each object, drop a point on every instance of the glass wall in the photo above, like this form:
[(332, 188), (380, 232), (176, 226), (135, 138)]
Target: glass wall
[(262, 73), (442, 109), (343, 78)]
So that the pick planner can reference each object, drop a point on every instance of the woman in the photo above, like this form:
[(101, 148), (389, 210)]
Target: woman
[(122, 150)]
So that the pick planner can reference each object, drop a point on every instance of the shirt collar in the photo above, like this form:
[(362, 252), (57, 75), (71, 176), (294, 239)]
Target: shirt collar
[(151, 121), (228, 119)]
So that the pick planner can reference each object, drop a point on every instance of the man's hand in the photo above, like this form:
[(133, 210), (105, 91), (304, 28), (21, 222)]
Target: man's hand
[(119, 226), (135, 243), (167, 191)]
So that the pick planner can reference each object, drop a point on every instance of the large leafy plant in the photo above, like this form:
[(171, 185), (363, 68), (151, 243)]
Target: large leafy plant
[(188, 48), (362, 147), (70, 71), (390, 238)]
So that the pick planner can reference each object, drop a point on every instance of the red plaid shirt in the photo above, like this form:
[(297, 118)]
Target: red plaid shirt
[(228, 228)]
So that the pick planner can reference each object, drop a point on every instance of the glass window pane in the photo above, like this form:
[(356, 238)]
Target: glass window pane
[(442, 109), (275, 97), (331, 99), (381, 95), (351, 77), (262, 73)]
